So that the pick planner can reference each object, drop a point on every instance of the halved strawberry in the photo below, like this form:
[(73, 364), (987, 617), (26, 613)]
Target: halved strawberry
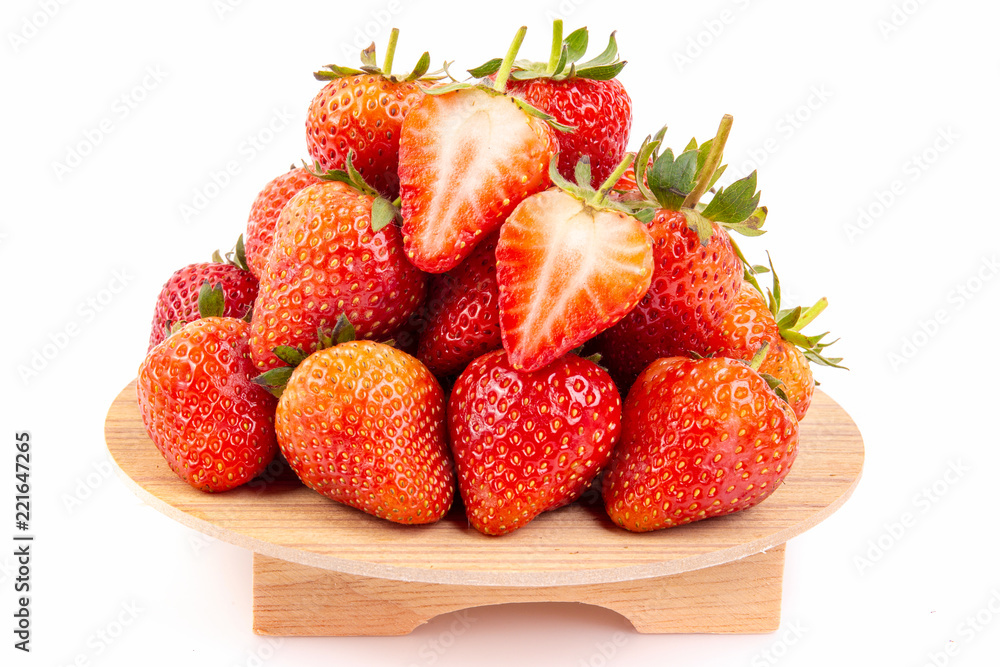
[(568, 268), (468, 156)]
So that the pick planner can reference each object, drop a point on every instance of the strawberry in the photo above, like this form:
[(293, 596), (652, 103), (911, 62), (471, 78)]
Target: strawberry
[(698, 272), (754, 321), (788, 364), (214, 427), (364, 424), (363, 111), (468, 155), (463, 313), (264, 215), (327, 261), (177, 302), (569, 265), (583, 95), (529, 442), (700, 438), (745, 327)]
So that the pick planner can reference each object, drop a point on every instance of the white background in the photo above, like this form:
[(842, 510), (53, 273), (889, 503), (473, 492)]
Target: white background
[(884, 106)]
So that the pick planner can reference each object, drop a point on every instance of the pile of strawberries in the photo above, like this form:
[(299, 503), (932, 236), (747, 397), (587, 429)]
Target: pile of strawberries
[(461, 288)]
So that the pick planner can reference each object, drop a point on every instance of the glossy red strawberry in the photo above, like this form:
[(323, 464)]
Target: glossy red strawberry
[(754, 321), (526, 443), (697, 275), (177, 302), (567, 270), (363, 111), (326, 261), (467, 157), (789, 365), (700, 438), (463, 313), (364, 424), (264, 215), (214, 427), (583, 95)]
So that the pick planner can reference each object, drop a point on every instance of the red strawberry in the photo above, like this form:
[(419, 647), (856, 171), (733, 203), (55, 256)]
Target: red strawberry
[(467, 157), (362, 111), (327, 261), (789, 365), (697, 274), (177, 302), (214, 427), (364, 424), (463, 313), (753, 321), (700, 438), (529, 442), (744, 328), (582, 95), (264, 215), (568, 268)]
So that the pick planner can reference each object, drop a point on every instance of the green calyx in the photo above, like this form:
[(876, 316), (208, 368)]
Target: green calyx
[(791, 321), (275, 379), (383, 211), (582, 189), (503, 69), (369, 65), (563, 62), (679, 183), (211, 300), (237, 256)]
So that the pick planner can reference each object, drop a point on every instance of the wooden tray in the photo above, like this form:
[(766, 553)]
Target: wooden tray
[(321, 568)]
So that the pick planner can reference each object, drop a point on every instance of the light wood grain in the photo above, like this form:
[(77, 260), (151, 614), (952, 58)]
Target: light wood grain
[(573, 546), (743, 596)]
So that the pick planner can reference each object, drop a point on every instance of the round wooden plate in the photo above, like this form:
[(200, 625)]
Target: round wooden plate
[(277, 516)]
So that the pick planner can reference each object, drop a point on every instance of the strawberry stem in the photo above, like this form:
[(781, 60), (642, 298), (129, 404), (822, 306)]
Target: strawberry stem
[(557, 45), (711, 163), (390, 52), (500, 85), (810, 314), (612, 180)]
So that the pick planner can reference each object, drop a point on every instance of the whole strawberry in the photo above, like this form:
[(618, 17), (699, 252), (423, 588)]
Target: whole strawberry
[(700, 438), (754, 321), (529, 442), (177, 302), (583, 95), (697, 272), (468, 156), (327, 261), (462, 313), (264, 215), (213, 425), (364, 424), (362, 111)]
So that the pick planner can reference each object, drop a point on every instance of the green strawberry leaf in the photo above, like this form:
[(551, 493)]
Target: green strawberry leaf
[(607, 56), (601, 72), (699, 224), (671, 180), (736, 202), (292, 356), (275, 379), (211, 300), (383, 213), (576, 45), (488, 68), (421, 67)]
